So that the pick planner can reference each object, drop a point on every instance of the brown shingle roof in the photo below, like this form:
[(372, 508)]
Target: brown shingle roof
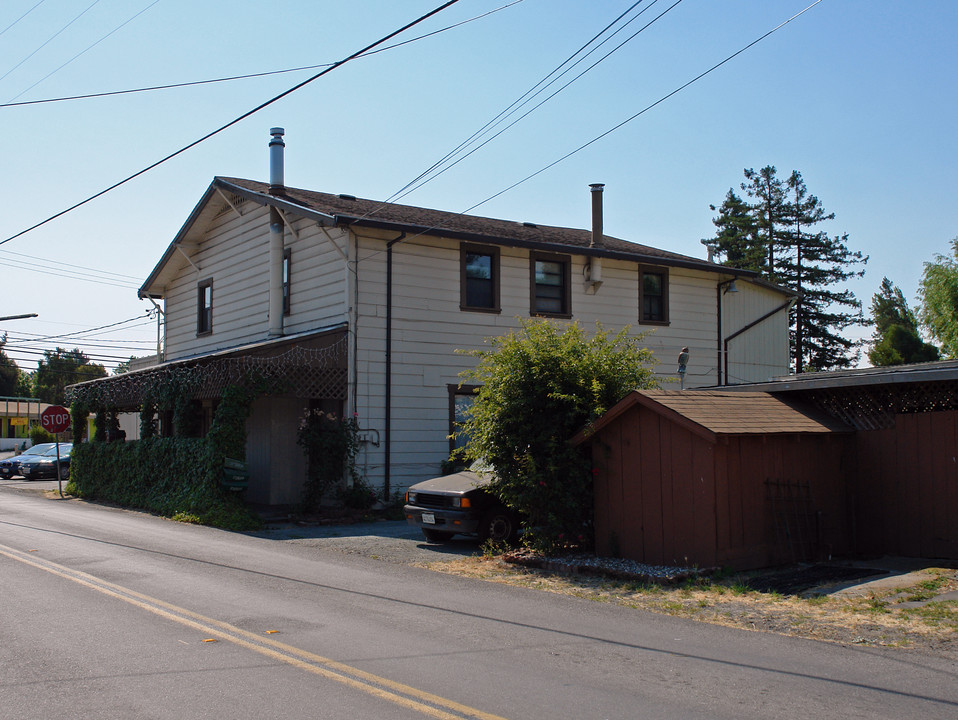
[(348, 209), (713, 412), (732, 413)]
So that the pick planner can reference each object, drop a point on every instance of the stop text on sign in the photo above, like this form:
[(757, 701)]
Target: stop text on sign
[(55, 419)]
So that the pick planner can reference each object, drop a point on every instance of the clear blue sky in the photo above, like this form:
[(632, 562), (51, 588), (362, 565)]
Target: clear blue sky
[(858, 95)]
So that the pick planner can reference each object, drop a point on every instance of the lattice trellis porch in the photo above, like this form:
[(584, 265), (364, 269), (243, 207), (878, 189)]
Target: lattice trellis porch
[(873, 407), (303, 369)]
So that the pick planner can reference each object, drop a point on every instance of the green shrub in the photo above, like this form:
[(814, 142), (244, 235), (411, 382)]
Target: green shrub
[(39, 435), (539, 385)]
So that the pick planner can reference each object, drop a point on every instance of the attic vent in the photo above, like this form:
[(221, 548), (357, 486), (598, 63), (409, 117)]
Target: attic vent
[(234, 202), (528, 224), (347, 197)]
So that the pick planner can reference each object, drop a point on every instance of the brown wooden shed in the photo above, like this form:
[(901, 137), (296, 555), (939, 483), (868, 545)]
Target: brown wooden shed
[(712, 478)]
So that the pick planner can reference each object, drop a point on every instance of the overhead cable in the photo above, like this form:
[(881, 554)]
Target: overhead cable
[(82, 52), (50, 39), (535, 90), (450, 164), (642, 111), (249, 76), (21, 17), (610, 130), (242, 117)]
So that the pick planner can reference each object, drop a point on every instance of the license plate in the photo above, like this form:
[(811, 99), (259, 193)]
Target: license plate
[(428, 519)]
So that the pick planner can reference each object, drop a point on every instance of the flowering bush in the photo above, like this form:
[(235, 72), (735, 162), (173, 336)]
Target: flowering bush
[(331, 444)]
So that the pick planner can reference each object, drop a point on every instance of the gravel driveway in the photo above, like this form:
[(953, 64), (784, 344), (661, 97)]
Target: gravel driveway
[(389, 540)]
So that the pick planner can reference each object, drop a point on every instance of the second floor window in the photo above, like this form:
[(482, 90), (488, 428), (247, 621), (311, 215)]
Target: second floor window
[(479, 278), (204, 307), (287, 259), (551, 289), (653, 295)]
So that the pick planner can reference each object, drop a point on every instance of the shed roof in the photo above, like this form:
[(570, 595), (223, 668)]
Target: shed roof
[(713, 413)]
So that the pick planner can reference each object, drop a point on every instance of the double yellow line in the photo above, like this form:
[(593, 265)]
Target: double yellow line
[(380, 687)]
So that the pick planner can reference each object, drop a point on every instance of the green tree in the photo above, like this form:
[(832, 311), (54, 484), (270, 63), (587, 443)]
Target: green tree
[(736, 238), (60, 368), (539, 385), (938, 292), (782, 231), (896, 340), (10, 374)]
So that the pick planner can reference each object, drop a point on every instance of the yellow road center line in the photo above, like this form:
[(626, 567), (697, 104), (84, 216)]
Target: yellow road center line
[(383, 688)]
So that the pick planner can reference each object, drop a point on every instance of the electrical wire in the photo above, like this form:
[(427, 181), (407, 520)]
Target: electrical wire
[(249, 76), (641, 112), (43, 352), (82, 52), (50, 39), (607, 132), (21, 17), (525, 98), (242, 117), (70, 265), (138, 318), (82, 277)]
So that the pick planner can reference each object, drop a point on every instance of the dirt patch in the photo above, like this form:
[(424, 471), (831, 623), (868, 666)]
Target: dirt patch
[(881, 618)]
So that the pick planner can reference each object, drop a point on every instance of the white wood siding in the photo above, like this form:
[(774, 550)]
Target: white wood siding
[(234, 254), (761, 352), (428, 328)]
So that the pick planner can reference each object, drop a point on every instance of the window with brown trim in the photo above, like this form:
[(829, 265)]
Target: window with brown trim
[(550, 284), (653, 295), (204, 307), (479, 278), (461, 398)]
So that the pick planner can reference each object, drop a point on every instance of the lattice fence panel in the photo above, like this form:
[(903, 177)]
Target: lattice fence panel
[(313, 373)]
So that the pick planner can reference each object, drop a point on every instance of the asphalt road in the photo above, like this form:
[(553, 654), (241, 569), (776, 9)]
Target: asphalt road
[(112, 614)]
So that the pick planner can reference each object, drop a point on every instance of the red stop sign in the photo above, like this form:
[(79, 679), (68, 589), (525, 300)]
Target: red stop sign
[(55, 419)]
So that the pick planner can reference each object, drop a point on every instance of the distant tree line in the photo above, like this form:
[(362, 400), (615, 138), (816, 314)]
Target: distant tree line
[(55, 371)]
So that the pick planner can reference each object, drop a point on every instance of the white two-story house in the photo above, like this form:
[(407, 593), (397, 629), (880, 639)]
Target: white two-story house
[(361, 306)]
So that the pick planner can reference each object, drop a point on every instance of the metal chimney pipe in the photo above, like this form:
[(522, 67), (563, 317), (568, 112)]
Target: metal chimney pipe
[(277, 233), (597, 189), (276, 161)]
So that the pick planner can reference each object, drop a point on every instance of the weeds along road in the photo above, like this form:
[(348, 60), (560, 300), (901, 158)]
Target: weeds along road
[(108, 613)]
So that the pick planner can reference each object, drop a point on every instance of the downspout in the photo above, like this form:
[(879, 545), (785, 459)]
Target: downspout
[(387, 449), (785, 305)]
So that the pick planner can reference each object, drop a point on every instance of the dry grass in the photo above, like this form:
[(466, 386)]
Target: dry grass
[(873, 618)]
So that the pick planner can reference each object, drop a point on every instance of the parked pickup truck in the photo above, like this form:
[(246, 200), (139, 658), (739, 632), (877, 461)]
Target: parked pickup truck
[(459, 504)]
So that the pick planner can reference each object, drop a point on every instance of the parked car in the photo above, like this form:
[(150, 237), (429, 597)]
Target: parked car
[(459, 503), (35, 467), (11, 466)]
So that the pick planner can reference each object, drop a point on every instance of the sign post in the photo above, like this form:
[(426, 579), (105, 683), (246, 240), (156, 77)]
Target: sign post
[(55, 419)]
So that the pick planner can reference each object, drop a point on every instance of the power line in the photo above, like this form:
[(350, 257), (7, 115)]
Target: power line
[(21, 17), (89, 330), (641, 112), (517, 105), (71, 265), (50, 39), (242, 117), (82, 52), (44, 351), (610, 130), (247, 76), (56, 272)]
